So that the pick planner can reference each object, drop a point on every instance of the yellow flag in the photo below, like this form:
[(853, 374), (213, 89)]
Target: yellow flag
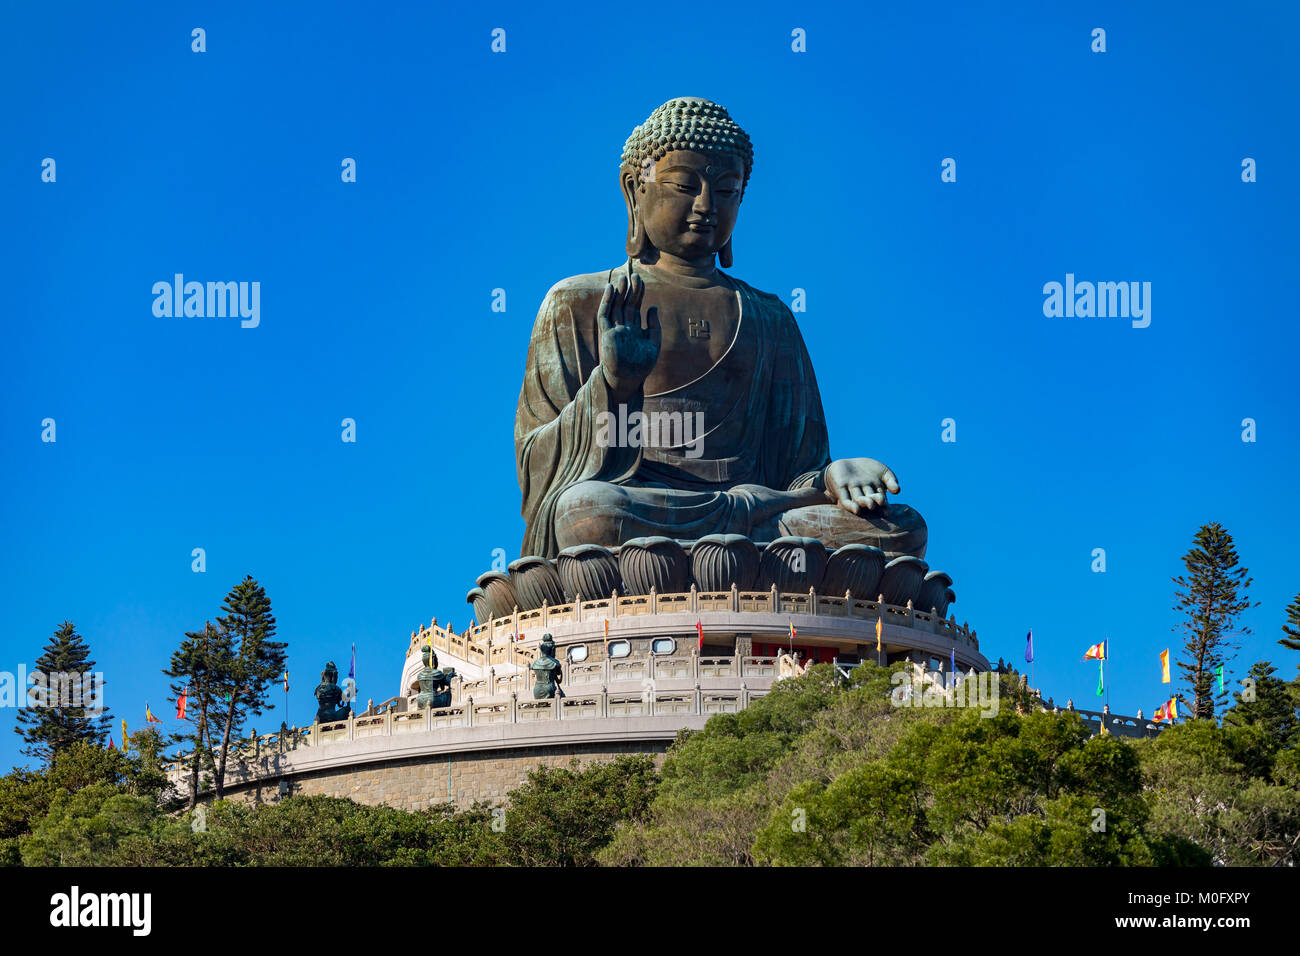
[(126, 741), (1164, 666), (879, 626)]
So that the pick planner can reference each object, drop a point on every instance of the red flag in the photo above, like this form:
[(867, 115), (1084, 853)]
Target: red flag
[(699, 629), (110, 742), (180, 703)]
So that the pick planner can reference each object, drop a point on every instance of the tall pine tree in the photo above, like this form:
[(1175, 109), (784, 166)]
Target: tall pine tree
[(1211, 596), (253, 660), (66, 705), (199, 672)]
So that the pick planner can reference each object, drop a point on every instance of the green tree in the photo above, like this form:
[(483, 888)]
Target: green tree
[(83, 828), (565, 816), (1227, 790), (199, 670), (66, 705), (1292, 626), (1211, 596), (249, 660), (26, 797), (1267, 701)]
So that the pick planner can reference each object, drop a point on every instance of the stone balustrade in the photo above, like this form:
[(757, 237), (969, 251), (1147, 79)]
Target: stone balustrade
[(685, 687), (490, 644)]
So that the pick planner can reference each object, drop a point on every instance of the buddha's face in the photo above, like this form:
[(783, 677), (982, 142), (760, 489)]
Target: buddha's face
[(689, 203)]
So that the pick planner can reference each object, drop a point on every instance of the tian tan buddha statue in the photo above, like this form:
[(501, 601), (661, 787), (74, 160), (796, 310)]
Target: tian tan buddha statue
[(671, 336)]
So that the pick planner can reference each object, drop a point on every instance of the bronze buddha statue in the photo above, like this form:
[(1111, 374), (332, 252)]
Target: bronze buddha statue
[(728, 433)]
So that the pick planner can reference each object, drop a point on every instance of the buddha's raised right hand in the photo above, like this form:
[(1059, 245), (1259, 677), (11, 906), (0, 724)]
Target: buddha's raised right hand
[(628, 349)]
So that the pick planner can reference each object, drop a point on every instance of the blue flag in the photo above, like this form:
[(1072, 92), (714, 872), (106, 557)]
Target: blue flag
[(1029, 647)]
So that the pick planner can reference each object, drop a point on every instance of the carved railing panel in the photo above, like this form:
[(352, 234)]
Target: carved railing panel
[(720, 703), (631, 606), (674, 704), (534, 710), (625, 705), (592, 673), (672, 603), (713, 667), (576, 708), (627, 669), (669, 668)]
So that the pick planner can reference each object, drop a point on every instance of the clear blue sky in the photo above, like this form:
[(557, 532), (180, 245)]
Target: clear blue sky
[(478, 170)]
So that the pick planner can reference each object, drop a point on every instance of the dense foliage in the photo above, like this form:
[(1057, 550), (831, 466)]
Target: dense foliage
[(819, 772)]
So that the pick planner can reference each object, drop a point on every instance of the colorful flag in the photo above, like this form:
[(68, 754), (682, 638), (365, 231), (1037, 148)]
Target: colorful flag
[(953, 659), (180, 702), (793, 632), (1219, 671), (880, 626), (352, 668), (699, 629), (1029, 647), (149, 718), (1096, 653), (1164, 666), (1101, 675), (286, 680), (1167, 711)]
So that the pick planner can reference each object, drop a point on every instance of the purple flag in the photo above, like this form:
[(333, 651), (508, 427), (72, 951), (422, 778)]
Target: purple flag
[(1029, 647)]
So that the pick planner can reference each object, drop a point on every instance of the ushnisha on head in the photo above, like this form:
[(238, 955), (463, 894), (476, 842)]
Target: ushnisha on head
[(683, 174)]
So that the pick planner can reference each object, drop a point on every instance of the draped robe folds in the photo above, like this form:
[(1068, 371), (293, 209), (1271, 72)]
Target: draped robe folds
[(762, 422)]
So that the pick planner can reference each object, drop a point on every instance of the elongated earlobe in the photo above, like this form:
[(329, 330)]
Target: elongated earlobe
[(637, 243), (724, 256)]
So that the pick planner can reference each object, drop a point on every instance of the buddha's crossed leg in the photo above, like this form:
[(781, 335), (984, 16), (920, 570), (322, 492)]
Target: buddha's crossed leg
[(599, 512)]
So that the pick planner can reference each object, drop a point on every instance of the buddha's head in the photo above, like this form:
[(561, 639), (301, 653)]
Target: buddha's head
[(683, 175)]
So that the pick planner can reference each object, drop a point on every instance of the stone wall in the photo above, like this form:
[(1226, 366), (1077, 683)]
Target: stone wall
[(418, 782)]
